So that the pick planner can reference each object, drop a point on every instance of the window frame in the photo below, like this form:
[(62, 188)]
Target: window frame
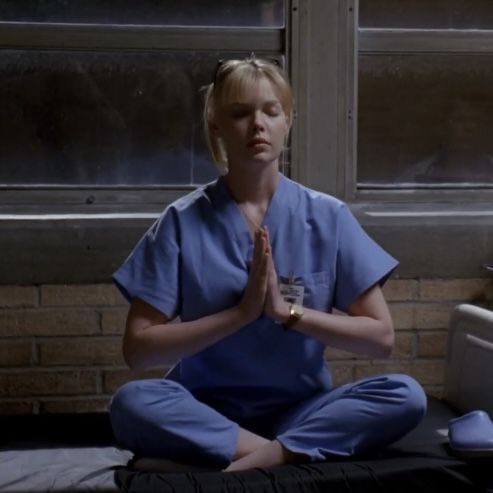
[(373, 41)]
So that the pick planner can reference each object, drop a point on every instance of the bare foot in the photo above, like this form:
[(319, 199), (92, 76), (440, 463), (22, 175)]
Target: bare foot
[(269, 455)]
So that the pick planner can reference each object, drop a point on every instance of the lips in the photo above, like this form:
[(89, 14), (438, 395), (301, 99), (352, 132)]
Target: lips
[(255, 142)]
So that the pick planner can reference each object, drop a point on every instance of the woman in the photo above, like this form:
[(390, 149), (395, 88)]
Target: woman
[(253, 264)]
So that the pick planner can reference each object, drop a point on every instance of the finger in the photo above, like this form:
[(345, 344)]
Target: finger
[(262, 256), (262, 267), (265, 233), (268, 248), (259, 271), (273, 280), (263, 274), (257, 248), (272, 267), (272, 274)]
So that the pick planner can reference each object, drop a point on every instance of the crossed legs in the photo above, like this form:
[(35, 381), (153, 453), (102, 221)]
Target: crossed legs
[(159, 418)]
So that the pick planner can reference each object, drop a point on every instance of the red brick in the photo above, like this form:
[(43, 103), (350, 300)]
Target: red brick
[(432, 344), (401, 290), (18, 296), (16, 352), (113, 320), (403, 315), (341, 373), (333, 354), (38, 383), (458, 290), (81, 295), (16, 407), (113, 379), (404, 345), (75, 406), (81, 351), (433, 315), (48, 322), (427, 372)]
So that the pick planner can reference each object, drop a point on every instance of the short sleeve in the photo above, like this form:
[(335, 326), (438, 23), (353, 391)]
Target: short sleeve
[(360, 262), (151, 272)]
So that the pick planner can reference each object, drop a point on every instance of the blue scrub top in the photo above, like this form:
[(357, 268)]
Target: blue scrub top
[(194, 262)]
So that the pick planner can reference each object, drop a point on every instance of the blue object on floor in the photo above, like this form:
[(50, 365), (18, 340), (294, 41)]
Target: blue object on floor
[(471, 435)]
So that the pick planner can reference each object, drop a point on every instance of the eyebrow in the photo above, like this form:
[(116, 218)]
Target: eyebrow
[(273, 102)]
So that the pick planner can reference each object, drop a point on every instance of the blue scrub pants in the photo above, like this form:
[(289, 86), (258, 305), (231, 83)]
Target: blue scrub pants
[(160, 418)]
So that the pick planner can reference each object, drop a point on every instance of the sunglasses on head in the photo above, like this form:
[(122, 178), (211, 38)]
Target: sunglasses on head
[(251, 58)]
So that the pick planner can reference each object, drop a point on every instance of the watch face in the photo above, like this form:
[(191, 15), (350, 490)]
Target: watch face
[(296, 311)]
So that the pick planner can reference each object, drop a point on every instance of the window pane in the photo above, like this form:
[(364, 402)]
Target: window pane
[(426, 14), (266, 13), (104, 118), (425, 119)]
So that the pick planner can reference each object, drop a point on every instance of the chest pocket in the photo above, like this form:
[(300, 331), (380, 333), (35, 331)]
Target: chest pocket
[(317, 287)]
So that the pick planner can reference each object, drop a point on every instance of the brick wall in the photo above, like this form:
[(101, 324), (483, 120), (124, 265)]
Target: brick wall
[(60, 346), (421, 311)]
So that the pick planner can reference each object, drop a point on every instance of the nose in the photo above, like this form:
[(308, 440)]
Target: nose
[(258, 121)]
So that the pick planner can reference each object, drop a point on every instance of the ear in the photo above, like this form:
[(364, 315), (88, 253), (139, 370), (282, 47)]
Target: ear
[(214, 129), (289, 121)]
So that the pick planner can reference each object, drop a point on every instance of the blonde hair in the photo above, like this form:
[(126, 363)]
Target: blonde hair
[(232, 79)]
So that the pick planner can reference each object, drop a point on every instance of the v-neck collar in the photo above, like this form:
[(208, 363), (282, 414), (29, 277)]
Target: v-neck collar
[(238, 222)]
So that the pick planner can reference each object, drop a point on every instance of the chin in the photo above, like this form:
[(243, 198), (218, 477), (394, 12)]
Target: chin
[(266, 157)]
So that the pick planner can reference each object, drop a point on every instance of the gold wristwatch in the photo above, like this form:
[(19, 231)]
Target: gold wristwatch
[(295, 313)]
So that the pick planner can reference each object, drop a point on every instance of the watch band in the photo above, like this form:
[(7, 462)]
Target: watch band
[(296, 312)]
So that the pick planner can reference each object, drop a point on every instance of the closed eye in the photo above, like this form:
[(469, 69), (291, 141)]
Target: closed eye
[(239, 110), (239, 113), (273, 109)]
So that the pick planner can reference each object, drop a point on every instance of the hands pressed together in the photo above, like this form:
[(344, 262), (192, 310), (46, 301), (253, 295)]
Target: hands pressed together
[(262, 294)]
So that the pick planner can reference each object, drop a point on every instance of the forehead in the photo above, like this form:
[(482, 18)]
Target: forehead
[(249, 90)]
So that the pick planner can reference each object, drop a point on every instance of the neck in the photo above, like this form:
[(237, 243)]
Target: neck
[(252, 187)]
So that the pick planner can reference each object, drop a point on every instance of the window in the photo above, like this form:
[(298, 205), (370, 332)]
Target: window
[(425, 102), (104, 118), (104, 95)]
